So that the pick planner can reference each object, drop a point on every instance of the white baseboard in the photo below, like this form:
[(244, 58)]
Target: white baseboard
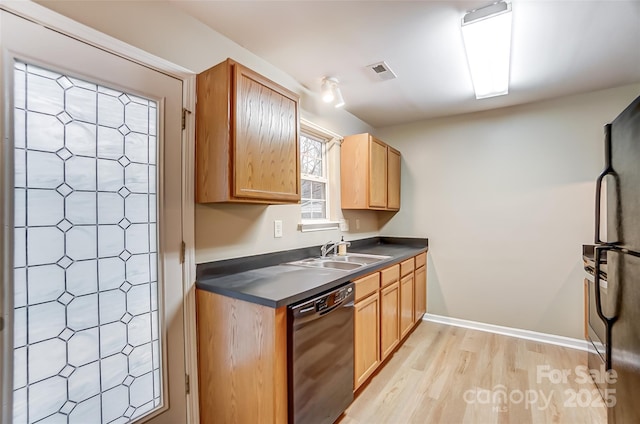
[(508, 331)]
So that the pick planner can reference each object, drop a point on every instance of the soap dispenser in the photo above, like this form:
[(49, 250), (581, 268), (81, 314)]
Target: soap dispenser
[(342, 247)]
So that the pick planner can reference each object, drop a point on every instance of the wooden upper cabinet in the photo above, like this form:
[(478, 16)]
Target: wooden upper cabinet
[(369, 174), (247, 130), (393, 179), (354, 172), (377, 174)]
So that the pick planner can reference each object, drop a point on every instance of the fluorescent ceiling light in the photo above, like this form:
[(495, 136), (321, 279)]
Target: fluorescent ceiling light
[(487, 40)]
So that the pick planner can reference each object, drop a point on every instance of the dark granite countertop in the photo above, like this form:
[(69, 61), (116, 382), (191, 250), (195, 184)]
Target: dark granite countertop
[(267, 280)]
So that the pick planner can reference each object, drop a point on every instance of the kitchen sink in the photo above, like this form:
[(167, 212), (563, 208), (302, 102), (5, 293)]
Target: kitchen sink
[(319, 263), (358, 258), (346, 263)]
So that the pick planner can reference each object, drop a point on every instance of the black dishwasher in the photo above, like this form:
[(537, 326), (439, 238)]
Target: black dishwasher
[(320, 357)]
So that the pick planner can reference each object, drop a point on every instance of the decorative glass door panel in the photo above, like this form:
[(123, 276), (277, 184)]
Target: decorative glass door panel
[(87, 345)]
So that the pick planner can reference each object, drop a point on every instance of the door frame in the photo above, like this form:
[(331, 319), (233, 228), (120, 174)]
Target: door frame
[(53, 20)]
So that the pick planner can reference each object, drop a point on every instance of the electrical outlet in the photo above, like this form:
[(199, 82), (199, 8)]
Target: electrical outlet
[(357, 223), (277, 228), (344, 225)]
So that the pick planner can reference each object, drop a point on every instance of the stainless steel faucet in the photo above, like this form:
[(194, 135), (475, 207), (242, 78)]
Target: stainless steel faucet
[(331, 246)]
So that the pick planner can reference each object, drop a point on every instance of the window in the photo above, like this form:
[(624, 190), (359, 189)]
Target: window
[(319, 161), (314, 180)]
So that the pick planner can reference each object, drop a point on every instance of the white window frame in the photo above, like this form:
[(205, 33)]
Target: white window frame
[(324, 179), (329, 137)]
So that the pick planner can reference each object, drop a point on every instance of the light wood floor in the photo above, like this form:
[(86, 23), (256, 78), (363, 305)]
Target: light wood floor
[(439, 366)]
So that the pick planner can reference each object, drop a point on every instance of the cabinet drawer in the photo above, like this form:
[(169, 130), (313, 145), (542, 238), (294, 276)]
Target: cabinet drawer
[(421, 260), (367, 285), (406, 267), (389, 275)]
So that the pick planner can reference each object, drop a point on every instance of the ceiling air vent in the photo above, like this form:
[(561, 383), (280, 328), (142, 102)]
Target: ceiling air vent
[(382, 71)]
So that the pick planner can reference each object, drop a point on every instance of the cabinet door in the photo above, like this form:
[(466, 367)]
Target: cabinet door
[(420, 293), (229, 329), (265, 139), (389, 319), (377, 174), (393, 179), (406, 304), (366, 347)]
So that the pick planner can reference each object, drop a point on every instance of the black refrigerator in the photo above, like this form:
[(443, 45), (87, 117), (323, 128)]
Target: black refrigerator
[(621, 250)]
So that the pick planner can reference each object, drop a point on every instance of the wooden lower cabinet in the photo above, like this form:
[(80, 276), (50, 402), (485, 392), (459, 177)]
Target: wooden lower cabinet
[(420, 300), (387, 308), (389, 319), (242, 361), (406, 304), (366, 347)]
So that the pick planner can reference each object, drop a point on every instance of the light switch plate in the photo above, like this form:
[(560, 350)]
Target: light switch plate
[(344, 225), (277, 228)]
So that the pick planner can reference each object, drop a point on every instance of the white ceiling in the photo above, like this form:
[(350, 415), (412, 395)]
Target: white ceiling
[(558, 48)]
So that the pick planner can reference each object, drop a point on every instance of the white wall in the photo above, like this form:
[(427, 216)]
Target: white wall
[(223, 231), (506, 198)]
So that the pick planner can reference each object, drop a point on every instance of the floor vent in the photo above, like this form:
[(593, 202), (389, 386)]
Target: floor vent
[(382, 71)]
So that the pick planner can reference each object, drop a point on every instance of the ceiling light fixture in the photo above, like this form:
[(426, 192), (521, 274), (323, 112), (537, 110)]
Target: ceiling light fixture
[(487, 39), (331, 92)]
